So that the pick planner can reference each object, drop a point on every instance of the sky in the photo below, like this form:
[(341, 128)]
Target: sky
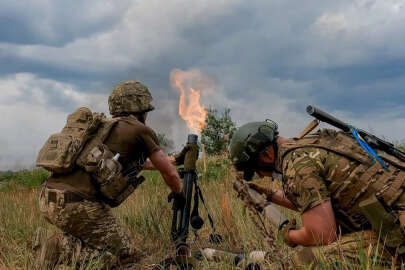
[(260, 58)]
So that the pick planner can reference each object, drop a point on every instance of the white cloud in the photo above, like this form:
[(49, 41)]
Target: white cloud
[(28, 118), (24, 129), (355, 33), (331, 24)]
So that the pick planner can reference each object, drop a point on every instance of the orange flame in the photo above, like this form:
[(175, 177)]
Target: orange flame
[(193, 113)]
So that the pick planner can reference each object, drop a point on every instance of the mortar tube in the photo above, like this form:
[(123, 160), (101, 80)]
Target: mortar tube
[(188, 156), (191, 152), (192, 138)]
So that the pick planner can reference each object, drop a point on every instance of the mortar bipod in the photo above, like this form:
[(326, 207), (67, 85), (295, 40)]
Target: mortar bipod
[(196, 220)]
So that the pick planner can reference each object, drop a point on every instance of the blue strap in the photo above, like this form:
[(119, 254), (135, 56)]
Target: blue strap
[(370, 152)]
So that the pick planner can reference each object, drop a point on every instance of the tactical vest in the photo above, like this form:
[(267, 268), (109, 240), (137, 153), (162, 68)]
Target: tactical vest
[(366, 179), (99, 161)]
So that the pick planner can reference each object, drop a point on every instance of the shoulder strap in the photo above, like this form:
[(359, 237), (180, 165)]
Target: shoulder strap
[(97, 138), (106, 128), (337, 142), (330, 140)]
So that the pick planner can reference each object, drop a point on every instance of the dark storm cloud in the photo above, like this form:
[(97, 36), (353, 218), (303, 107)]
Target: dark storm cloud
[(265, 57), (276, 48), (56, 22)]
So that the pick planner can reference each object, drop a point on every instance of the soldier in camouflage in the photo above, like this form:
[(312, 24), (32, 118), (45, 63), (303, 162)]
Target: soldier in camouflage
[(74, 203), (329, 179)]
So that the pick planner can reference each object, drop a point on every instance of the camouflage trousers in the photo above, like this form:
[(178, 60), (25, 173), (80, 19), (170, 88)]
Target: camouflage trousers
[(351, 250), (90, 231)]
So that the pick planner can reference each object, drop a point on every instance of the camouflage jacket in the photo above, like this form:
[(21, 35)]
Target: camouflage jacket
[(331, 166)]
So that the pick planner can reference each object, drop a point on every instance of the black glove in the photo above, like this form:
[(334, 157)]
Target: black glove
[(179, 199)]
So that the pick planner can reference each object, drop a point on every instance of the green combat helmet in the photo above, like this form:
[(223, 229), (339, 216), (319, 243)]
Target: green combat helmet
[(130, 97), (248, 142)]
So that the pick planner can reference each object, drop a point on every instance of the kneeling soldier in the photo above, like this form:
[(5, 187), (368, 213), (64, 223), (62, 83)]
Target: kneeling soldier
[(330, 180), (99, 173)]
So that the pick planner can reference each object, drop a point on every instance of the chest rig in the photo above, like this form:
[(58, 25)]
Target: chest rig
[(114, 181)]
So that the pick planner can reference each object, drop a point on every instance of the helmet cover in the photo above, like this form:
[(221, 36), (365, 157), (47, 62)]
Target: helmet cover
[(249, 141), (130, 97)]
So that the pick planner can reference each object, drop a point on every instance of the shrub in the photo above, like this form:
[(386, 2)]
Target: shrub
[(217, 131), (25, 178)]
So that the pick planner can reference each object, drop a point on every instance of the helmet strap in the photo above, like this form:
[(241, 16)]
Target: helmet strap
[(275, 147)]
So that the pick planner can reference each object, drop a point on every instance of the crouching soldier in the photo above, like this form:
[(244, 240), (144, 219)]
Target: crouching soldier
[(346, 201), (95, 162)]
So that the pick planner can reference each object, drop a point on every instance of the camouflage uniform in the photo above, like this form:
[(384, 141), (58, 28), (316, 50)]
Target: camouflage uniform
[(319, 169), (91, 232)]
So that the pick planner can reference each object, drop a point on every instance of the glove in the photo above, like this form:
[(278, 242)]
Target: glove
[(292, 225), (262, 190), (179, 200)]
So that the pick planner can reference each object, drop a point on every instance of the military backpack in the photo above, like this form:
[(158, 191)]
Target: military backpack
[(81, 144), (61, 150)]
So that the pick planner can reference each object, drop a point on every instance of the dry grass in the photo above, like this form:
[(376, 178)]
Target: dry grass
[(148, 216)]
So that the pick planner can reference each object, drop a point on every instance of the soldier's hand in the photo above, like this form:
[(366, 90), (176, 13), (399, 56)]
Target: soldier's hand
[(261, 189), (179, 200), (292, 225)]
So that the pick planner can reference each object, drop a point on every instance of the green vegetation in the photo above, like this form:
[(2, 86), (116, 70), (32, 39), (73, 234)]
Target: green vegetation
[(217, 132), (26, 179), (148, 216)]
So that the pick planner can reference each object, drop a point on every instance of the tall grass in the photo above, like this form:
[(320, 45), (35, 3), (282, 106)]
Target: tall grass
[(147, 215)]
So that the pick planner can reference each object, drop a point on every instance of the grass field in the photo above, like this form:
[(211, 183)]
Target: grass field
[(147, 214)]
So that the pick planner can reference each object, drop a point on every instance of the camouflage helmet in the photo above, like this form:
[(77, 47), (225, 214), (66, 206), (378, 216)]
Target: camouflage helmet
[(249, 141), (130, 97)]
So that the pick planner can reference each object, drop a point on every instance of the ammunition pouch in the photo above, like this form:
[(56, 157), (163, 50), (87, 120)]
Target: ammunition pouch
[(385, 223), (113, 187)]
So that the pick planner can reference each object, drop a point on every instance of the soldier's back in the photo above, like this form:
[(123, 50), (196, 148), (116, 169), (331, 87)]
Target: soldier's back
[(131, 138)]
